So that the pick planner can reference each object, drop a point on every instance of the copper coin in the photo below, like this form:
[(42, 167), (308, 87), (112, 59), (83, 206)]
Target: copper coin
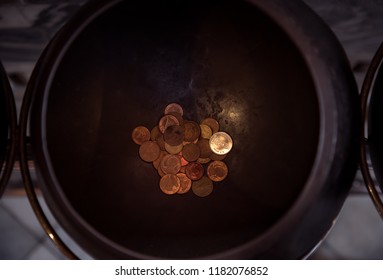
[(174, 107), (174, 150), (170, 184), (204, 148), (194, 171), (184, 162), (155, 133), (185, 183), (206, 131), (212, 123), (174, 135), (192, 131), (183, 169), (157, 162), (178, 116), (203, 160), (191, 152), (217, 171), (160, 172), (167, 121), (140, 135), (213, 156), (202, 187), (161, 142), (221, 143), (149, 151), (170, 164)]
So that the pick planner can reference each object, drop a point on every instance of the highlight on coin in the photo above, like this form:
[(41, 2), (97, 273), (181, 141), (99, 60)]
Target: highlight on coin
[(185, 154)]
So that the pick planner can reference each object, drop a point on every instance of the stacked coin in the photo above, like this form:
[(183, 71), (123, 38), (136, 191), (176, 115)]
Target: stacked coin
[(186, 154)]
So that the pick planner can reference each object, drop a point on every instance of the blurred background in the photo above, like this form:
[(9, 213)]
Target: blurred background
[(26, 26)]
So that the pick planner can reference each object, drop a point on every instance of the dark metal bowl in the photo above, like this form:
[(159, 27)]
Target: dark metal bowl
[(270, 72)]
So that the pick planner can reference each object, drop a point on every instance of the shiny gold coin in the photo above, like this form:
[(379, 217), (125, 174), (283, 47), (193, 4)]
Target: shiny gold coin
[(192, 131), (170, 184), (206, 131), (174, 150), (140, 135), (202, 187), (204, 148), (174, 107), (174, 135), (155, 133), (170, 164), (157, 162), (217, 171), (194, 171), (191, 152), (203, 160), (149, 151), (185, 183), (212, 123), (221, 143), (167, 121)]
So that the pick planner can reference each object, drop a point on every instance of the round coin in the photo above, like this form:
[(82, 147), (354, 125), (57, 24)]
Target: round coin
[(170, 184), (174, 135), (185, 183), (174, 107), (173, 149), (191, 152), (170, 164), (149, 151), (178, 116), (167, 121), (203, 160), (157, 162), (204, 148), (140, 135), (214, 156), (212, 123), (155, 133), (194, 171), (206, 131), (221, 143), (202, 187), (192, 131), (217, 171), (161, 142)]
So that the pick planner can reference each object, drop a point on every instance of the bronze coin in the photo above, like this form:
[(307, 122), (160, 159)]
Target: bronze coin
[(155, 133), (212, 123), (140, 135), (174, 107), (191, 152), (185, 183), (192, 131), (183, 169), (213, 156), (206, 131), (157, 162), (149, 151), (184, 162), (204, 148), (160, 172), (170, 184), (178, 116), (161, 142), (202, 187), (194, 171), (220, 143), (167, 121), (174, 150), (174, 135), (217, 171), (203, 160), (170, 164)]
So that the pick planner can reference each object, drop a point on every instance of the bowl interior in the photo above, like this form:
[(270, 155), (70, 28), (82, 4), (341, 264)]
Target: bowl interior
[(220, 59)]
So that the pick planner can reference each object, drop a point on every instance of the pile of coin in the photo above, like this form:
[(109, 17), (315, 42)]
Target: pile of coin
[(186, 155)]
